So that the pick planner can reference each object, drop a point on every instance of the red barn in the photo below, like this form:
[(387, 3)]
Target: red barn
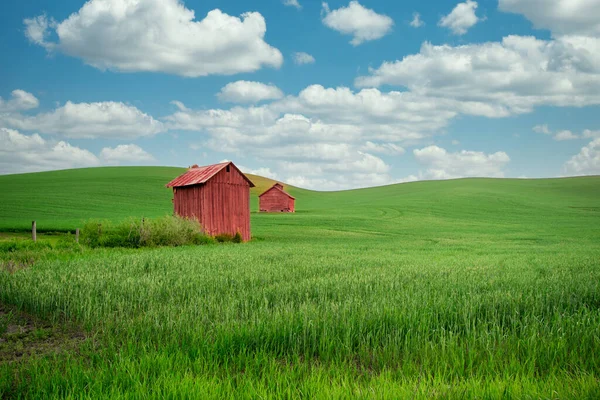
[(276, 199), (216, 195)]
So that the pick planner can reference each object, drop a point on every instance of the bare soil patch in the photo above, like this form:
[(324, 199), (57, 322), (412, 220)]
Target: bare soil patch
[(23, 336)]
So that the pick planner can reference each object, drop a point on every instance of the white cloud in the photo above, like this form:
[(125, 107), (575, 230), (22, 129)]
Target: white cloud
[(21, 100), (330, 138), (340, 182), (325, 114), (249, 92), (440, 164), (515, 75), (461, 18), (262, 171), (383, 148), (542, 129), (565, 135), (36, 30), (591, 134), (125, 154), (329, 135), (362, 23), (455, 142), (301, 58), (89, 120), (587, 162), (416, 21), (159, 36), (31, 153), (562, 17), (292, 3)]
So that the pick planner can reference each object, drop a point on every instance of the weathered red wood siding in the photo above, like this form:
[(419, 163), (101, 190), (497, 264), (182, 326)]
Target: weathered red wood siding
[(275, 200), (222, 205)]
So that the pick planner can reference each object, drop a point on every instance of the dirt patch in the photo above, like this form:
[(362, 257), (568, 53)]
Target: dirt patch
[(23, 336), (13, 266)]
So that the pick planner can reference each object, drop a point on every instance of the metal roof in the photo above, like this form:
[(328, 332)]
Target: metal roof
[(276, 188), (198, 175)]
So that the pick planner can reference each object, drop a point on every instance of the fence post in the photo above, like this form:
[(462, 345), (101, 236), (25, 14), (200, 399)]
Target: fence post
[(34, 231), (77, 235)]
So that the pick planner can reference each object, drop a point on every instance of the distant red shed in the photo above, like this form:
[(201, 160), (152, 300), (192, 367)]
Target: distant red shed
[(275, 199), (216, 195)]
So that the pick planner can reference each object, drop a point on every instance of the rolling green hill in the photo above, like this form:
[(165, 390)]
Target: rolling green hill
[(60, 200)]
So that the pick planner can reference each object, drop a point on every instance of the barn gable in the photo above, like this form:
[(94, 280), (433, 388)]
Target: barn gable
[(198, 175)]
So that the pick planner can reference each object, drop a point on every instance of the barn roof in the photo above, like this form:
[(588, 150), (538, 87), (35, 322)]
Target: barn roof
[(198, 175), (277, 188)]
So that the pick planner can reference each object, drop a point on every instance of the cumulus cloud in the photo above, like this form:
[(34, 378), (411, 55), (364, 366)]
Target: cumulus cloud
[(20, 101), (321, 134), (562, 17), (362, 23), (261, 171), (587, 162), (36, 30), (441, 164), (324, 114), (249, 92), (383, 148), (516, 74), (558, 136), (591, 134), (125, 154), (292, 3), (32, 153), (462, 18), (158, 36), (565, 135), (416, 21), (326, 137), (301, 58), (542, 129), (89, 120)]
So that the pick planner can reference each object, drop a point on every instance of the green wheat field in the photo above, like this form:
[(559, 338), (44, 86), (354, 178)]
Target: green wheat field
[(471, 288)]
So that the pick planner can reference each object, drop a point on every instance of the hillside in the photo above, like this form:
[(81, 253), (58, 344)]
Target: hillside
[(59, 200), (62, 199)]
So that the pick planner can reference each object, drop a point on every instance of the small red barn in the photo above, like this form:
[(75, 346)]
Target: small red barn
[(218, 196), (275, 199)]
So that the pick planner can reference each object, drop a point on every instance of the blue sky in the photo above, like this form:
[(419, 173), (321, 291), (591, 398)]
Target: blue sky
[(507, 88)]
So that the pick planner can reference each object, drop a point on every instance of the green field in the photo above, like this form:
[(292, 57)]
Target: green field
[(59, 200), (472, 288)]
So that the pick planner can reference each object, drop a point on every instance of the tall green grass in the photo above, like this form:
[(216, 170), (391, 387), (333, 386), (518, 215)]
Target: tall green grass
[(134, 232)]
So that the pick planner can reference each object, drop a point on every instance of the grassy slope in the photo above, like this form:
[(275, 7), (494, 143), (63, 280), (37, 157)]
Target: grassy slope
[(62, 199), (59, 200), (474, 287)]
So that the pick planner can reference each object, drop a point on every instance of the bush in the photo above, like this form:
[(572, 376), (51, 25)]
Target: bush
[(237, 238), (165, 231), (224, 238)]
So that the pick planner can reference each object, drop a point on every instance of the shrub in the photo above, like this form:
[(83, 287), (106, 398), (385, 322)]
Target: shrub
[(164, 231), (237, 238), (224, 237), (67, 242)]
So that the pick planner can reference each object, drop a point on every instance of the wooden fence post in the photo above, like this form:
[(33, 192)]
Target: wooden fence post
[(77, 235), (34, 231)]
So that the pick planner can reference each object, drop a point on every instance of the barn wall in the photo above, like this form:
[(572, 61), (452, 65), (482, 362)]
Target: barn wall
[(274, 201), (222, 205)]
